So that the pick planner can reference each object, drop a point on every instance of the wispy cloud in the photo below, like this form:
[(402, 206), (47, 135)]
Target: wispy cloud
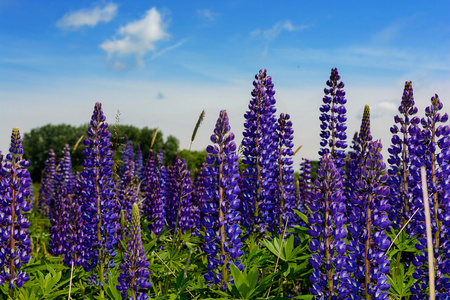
[(88, 17), (138, 38), (206, 14), (268, 35), (272, 33), (159, 53)]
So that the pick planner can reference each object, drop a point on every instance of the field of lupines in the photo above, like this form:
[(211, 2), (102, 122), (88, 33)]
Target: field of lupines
[(241, 227)]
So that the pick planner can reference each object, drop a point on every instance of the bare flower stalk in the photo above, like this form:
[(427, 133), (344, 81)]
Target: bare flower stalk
[(429, 234), (154, 137)]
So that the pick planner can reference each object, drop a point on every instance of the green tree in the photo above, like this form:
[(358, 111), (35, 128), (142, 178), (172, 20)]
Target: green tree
[(194, 160), (39, 141)]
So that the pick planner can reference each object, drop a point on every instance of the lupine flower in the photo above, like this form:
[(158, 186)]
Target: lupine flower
[(260, 157), (199, 189), (426, 152), (46, 190), (333, 128), (368, 222), (285, 204), (151, 191), (138, 163), (400, 158), (15, 246), (72, 192), (329, 277), (101, 220), (127, 193), (134, 273), (179, 197), (221, 204), (61, 205), (304, 185)]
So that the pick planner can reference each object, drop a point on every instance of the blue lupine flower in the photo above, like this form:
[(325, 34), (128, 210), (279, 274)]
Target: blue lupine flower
[(98, 206), (220, 207), (179, 197), (333, 128), (151, 191), (427, 143), (285, 200), (400, 158), (138, 163), (134, 273), (46, 190), (15, 242), (304, 185), (327, 230), (260, 157), (61, 205)]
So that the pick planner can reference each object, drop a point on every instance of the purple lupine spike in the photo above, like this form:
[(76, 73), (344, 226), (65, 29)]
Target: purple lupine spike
[(134, 273), (98, 207), (400, 158), (62, 207), (179, 197), (221, 204), (15, 242), (75, 240), (260, 157), (327, 228), (151, 191), (199, 190), (138, 163), (286, 188), (333, 128), (304, 185), (127, 193), (46, 190), (368, 222), (127, 156), (431, 150)]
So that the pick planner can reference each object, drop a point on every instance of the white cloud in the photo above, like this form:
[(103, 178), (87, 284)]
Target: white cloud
[(383, 108), (88, 17), (138, 37)]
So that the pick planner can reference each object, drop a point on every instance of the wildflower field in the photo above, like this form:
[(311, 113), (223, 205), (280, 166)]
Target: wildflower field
[(242, 226)]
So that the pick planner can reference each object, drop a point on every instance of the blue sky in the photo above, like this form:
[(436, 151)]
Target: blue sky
[(160, 63)]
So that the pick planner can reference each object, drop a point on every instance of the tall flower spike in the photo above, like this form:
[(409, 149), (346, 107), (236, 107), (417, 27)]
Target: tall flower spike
[(260, 157), (151, 191), (368, 223), (431, 150), (15, 246), (134, 273), (333, 119), (101, 220), (46, 190), (138, 163), (286, 189), (179, 197), (400, 158), (221, 204), (304, 185), (327, 221)]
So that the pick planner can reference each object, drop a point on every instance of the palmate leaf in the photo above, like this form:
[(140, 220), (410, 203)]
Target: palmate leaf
[(286, 252), (400, 288)]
